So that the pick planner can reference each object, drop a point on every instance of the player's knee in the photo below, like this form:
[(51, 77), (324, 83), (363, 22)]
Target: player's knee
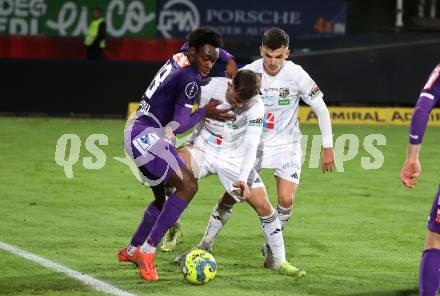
[(286, 200), (190, 188)]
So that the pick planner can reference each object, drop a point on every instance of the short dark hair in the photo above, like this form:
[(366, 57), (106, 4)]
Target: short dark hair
[(246, 84), (275, 38), (205, 35)]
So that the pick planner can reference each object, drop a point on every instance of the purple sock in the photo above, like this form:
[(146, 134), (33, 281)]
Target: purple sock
[(172, 209), (429, 278), (144, 228)]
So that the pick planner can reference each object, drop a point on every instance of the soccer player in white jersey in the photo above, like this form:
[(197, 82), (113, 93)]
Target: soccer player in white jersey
[(229, 149), (283, 83)]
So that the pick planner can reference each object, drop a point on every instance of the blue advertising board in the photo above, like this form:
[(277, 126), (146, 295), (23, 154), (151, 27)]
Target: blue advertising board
[(237, 19)]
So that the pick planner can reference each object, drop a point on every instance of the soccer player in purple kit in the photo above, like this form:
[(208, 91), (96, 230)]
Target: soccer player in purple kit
[(167, 104), (429, 274)]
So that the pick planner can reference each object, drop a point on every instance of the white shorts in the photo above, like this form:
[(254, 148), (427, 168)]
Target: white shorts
[(225, 165), (286, 161)]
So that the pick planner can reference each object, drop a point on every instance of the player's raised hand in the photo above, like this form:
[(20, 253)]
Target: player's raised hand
[(231, 68), (328, 160), (243, 189), (213, 112), (410, 171)]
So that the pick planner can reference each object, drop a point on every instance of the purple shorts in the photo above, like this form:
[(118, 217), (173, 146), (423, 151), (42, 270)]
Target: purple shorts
[(434, 216), (154, 155)]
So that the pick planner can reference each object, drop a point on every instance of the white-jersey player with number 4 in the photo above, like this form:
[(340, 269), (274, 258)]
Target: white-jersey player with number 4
[(283, 84)]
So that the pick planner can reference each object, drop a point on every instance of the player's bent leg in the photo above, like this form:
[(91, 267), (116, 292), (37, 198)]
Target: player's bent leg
[(174, 235), (261, 204), (273, 234), (146, 224), (219, 216), (286, 189), (186, 188), (259, 201)]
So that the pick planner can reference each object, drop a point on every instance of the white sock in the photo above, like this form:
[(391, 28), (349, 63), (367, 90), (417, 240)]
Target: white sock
[(284, 215), (147, 248), (130, 249), (219, 216), (274, 237)]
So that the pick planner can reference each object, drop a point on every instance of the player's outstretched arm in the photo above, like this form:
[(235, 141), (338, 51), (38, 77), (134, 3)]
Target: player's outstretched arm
[(411, 167), (328, 155)]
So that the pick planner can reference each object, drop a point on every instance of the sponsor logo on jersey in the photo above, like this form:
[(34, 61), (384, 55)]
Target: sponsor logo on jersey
[(256, 122), (284, 102), (217, 140), (145, 142), (315, 91), (269, 120), (284, 92), (191, 90), (232, 126)]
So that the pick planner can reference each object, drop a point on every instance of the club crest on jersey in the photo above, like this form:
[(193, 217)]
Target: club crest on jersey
[(284, 92), (191, 90)]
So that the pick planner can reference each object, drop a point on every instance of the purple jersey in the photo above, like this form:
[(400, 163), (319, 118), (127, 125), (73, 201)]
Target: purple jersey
[(176, 85), (429, 97)]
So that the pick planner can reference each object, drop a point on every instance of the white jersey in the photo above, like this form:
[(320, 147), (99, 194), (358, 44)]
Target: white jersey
[(235, 140), (281, 94), (227, 136)]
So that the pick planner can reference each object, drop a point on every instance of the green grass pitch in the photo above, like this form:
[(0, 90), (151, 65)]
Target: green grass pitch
[(355, 233)]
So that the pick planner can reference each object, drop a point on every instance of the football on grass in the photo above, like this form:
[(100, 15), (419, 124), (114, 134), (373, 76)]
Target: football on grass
[(199, 267)]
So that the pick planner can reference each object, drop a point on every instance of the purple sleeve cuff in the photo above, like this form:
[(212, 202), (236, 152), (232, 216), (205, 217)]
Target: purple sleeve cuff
[(187, 120), (420, 119)]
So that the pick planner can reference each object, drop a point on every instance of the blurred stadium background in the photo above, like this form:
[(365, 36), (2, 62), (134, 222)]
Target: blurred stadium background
[(356, 233)]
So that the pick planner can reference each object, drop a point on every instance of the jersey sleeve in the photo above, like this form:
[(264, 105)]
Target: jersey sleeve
[(428, 98), (186, 95), (188, 89), (251, 139), (308, 89), (224, 55)]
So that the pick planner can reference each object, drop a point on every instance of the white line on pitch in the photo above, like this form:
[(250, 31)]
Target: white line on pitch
[(86, 279)]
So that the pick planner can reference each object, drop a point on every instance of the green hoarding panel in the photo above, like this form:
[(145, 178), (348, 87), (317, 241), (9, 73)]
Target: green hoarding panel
[(128, 18)]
